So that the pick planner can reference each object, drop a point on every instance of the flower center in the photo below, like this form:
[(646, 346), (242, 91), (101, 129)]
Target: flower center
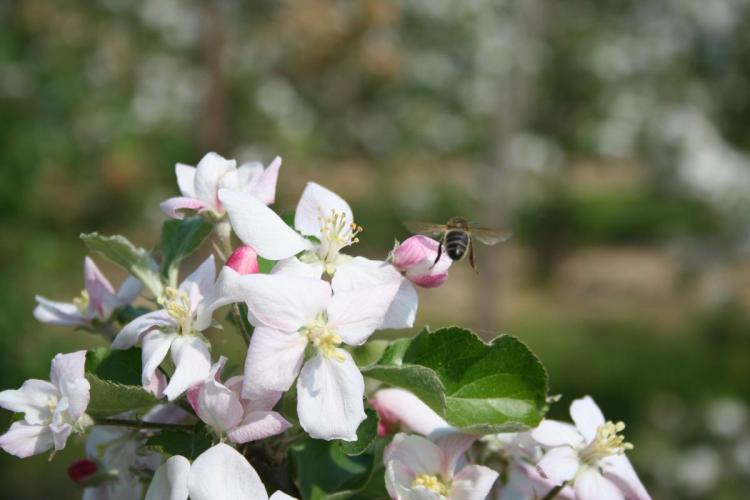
[(82, 301), (177, 304), (432, 483), (336, 232), (323, 338), (608, 442)]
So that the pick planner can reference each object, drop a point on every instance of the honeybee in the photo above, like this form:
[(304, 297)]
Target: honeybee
[(457, 236)]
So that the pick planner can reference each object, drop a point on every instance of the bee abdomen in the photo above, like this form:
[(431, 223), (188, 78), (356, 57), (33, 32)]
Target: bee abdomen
[(456, 243)]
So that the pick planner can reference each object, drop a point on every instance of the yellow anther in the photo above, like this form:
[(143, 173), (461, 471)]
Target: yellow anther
[(607, 442), (177, 304), (432, 483), (82, 301), (325, 339), (336, 232)]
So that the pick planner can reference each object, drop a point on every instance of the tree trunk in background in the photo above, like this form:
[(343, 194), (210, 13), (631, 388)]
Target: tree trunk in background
[(516, 90), (213, 122)]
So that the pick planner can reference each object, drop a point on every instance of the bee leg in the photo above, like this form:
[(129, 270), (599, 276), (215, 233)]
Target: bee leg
[(471, 257), (440, 251)]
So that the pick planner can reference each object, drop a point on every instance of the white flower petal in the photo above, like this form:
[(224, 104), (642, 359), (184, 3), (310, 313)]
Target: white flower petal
[(473, 482), (199, 282), (619, 470), (401, 406), (192, 365), (329, 398), (175, 208), (280, 495), (553, 433), (421, 455), (559, 464), (67, 374), (219, 407), (454, 445), (317, 201), (294, 267), (259, 425), (285, 303), (24, 440), (170, 481), (58, 313), (591, 485), (259, 226), (221, 473), (587, 416), (132, 332), (228, 289), (185, 179), (355, 314), (208, 174), (155, 348), (129, 291), (273, 361), (102, 299), (265, 186), (31, 399)]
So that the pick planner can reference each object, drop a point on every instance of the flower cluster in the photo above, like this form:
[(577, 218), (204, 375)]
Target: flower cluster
[(304, 306)]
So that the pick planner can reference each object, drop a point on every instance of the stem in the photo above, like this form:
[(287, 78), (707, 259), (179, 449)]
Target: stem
[(140, 424), (239, 318), (554, 491)]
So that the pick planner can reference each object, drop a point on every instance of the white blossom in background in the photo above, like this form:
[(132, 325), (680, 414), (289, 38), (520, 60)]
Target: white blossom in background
[(172, 329), (97, 302), (420, 469), (52, 410), (219, 473), (200, 185), (589, 455)]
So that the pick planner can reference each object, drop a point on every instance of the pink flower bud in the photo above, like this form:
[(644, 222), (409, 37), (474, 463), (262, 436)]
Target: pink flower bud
[(388, 421), (244, 260), (415, 258), (81, 471)]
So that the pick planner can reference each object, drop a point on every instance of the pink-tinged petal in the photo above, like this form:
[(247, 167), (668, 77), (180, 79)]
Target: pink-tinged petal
[(285, 303), (24, 440), (136, 329), (273, 361), (185, 179), (199, 282), (67, 374), (591, 485), (219, 407), (259, 425), (398, 479), (167, 414), (415, 257), (171, 480), (559, 464), (222, 473), (243, 260), (329, 397), (454, 445), (265, 188), (360, 273), (525, 481), (157, 384), (294, 267), (58, 313), (67, 367), (619, 470), (473, 482), (229, 288), (192, 365), (553, 433), (32, 399), (401, 407), (102, 298), (259, 226), (208, 174), (155, 348), (587, 416), (259, 402), (174, 208), (129, 291), (419, 454), (355, 314), (317, 201)]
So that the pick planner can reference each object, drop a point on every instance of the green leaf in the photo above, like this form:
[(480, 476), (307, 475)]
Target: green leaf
[(265, 265), (179, 239), (122, 252), (119, 366), (480, 388), (322, 468), (110, 398), (369, 352), (174, 442), (367, 432)]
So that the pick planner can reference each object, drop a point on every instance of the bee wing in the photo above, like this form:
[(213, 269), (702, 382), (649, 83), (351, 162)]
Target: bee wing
[(489, 236), (424, 227)]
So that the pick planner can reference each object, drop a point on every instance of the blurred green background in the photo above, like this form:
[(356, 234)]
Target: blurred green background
[(611, 136)]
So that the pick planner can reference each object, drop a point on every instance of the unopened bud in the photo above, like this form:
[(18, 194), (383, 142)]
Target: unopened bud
[(244, 260), (83, 471), (415, 258)]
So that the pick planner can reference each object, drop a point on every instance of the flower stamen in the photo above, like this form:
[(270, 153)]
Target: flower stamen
[(336, 233), (325, 339), (608, 441), (82, 301), (177, 304), (431, 482)]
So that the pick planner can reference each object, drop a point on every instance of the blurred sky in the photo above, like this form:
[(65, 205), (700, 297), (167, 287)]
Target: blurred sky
[(611, 137)]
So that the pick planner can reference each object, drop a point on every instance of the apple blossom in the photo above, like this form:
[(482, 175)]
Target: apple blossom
[(219, 473), (417, 469), (224, 410), (52, 410), (589, 455), (415, 258), (172, 329), (522, 481), (244, 260), (97, 301), (291, 313), (199, 185)]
